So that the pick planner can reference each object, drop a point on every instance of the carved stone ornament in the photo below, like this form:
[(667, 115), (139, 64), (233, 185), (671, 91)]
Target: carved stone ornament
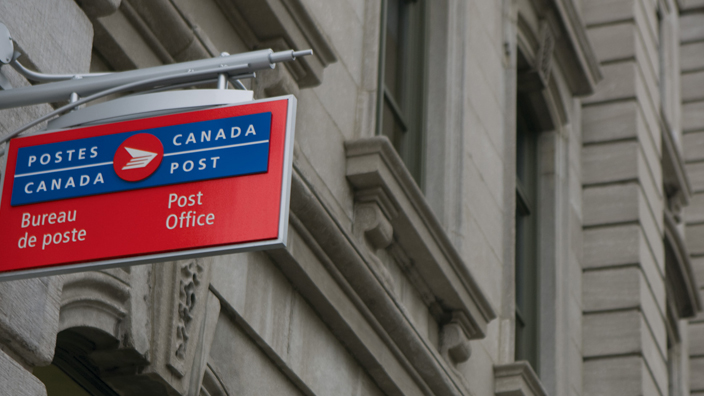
[(146, 330), (181, 304), (537, 77)]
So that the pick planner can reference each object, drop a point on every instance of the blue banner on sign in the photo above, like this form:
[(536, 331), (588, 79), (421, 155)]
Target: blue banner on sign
[(147, 158)]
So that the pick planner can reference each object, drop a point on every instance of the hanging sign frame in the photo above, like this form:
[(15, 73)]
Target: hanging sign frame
[(177, 186)]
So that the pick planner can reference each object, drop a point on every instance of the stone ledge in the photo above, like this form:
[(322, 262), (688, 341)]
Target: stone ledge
[(517, 379), (282, 25), (379, 176)]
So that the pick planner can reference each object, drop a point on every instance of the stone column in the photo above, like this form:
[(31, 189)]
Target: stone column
[(624, 299)]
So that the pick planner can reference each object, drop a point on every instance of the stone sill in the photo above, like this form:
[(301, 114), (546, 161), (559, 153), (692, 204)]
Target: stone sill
[(517, 379)]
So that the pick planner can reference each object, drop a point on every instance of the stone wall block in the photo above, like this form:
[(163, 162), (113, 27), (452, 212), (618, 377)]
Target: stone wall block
[(692, 56), (603, 11), (695, 239), (693, 86), (686, 5), (612, 246), (692, 27), (119, 41), (610, 121), (696, 339), (620, 81), (698, 268), (606, 247), (695, 171), (609, 163), (612, 333), (696, 382), (613, 42), (623, 376), (29, 318), (693, 116), (693, 145), (15, 380), (611, 289), (55, 36), (611, 204)]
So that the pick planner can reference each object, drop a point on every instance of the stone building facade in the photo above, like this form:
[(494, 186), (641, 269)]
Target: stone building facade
[(488, 198)]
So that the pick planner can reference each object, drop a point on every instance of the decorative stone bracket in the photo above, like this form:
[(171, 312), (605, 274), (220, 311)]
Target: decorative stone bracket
[(454, 344)]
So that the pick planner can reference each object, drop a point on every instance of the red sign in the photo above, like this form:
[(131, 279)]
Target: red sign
[(192, 184)]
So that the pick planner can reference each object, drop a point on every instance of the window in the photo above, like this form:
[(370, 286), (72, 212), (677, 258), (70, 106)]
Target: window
[(526, 242), (401, 80)]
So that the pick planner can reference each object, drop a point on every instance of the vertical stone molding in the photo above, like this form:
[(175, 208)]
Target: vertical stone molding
[(691, 59), (16, 380), (184, 318), (29, 318)]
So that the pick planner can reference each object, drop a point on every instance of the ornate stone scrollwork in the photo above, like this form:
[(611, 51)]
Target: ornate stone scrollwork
[(190, 281)]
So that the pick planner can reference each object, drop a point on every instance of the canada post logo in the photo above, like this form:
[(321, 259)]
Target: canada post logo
[(175, 154), (138, 157)]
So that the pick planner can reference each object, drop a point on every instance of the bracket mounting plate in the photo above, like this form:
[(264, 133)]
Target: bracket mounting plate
[(7, 48)]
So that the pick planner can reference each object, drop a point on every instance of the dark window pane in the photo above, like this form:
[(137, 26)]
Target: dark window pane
[(526, 260), (401, 83), (393, 47), (392, 127), (58, 383)]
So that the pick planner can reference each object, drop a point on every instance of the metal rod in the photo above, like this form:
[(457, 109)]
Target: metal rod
[(58, 91), (222, 81), (121, 88), (45, 78), (238, 84)]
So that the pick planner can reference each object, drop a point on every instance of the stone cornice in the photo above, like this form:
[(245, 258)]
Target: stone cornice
[(579, 55), (572, 49), (342, 251)]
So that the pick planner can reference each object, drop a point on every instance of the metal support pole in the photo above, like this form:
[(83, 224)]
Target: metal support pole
[(222, 78), (222, 81), (58, 91)]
